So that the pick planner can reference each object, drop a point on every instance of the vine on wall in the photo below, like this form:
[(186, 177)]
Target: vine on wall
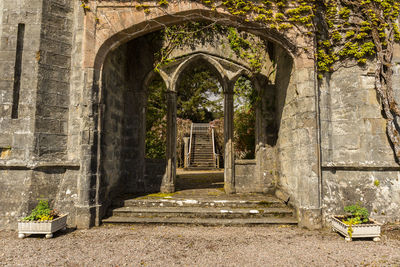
[(245, 46), (346, 32)]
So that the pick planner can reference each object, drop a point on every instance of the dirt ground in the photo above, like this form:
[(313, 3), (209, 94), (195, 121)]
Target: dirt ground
[(159, 245)]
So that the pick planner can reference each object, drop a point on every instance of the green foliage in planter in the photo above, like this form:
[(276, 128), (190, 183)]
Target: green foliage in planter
[(42, 212), (358, 215)]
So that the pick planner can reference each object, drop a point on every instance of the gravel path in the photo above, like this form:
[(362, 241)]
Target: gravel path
[(155, 245)]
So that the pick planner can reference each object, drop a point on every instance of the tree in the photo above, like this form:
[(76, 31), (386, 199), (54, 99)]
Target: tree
[(156, 119), (244, 119), (199, 95)]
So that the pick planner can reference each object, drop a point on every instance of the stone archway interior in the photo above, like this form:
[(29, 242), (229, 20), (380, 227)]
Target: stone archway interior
[(126, 73)]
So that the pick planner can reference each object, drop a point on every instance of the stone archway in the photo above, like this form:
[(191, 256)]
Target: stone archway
[(114, 24), (227, 77)]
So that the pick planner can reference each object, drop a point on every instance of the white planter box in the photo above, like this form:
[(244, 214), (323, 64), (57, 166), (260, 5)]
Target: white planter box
[(45, 227), (372, 229)]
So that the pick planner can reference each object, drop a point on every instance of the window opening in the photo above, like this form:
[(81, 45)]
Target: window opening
[(17, 70)]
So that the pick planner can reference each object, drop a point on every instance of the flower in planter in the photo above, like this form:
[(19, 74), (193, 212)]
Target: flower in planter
[(357, 215), (42, 212), (42, 220), (356, 223)]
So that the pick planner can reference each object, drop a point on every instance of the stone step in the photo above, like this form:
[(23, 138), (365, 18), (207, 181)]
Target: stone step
[(200, 212), (166, 202), (202, 206), (201, 168), (195, 165), (201, 221)]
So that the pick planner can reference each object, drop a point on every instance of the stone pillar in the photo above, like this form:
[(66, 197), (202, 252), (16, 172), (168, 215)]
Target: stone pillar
[(229, 170), (87, 212), (168, 182), (186, 151), (141, 100)]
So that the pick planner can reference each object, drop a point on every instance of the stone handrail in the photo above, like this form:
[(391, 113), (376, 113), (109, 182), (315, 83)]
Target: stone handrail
[(190, 145)]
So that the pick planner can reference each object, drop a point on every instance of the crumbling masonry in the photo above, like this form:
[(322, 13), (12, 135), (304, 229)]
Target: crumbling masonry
[(73, 102)]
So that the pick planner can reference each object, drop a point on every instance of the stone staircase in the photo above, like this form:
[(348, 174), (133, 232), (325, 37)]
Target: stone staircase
[(202, 154), (221, 210)]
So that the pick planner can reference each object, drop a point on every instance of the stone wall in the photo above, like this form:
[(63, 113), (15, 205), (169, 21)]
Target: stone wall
[(49, 135), (21, 190), (155, 170), (357, 160), (14, 196), (246, 178), (113, 127), (16, 133), (377, 190), (266, 138), (297, 145), (54, 61), (38, 125)]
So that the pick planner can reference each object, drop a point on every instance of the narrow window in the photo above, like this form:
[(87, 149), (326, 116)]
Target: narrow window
[(17, 70)]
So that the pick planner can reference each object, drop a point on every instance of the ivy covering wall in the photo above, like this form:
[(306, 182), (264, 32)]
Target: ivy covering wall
[(345, 32)]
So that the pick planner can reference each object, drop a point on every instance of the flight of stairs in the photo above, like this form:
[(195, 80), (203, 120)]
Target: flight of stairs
[(202, 212), (202, 152)]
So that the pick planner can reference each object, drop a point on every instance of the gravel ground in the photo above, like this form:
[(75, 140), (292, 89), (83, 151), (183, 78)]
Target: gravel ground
[(155, 245)]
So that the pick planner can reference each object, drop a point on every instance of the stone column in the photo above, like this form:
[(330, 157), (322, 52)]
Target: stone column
[(186, 151), (168, 182), (87, 211), (141, 101), (229, 170)]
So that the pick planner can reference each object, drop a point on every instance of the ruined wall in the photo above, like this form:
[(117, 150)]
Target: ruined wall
[(155, 170), (16, 130), (114, 85), (141, 57), (246, 178), (123, 121), (54, 60), (357, 160), (218, 44), (22, 188), (33, 108), (297, 145), (266, 138)]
